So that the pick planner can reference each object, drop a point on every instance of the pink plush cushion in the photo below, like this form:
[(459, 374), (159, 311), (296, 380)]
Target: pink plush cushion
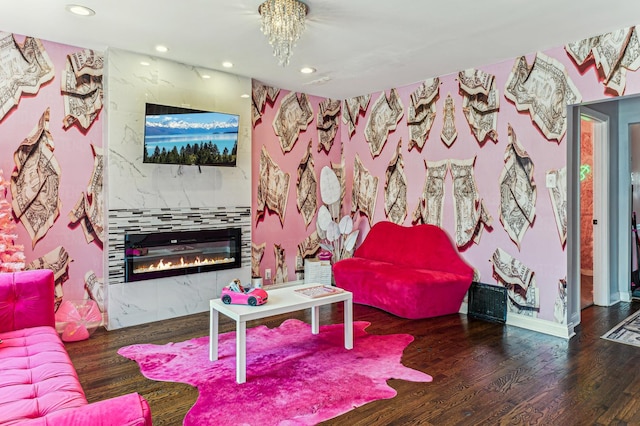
[(405, 292), (413, 272), (26, 299), (36, 375), (77, 319)]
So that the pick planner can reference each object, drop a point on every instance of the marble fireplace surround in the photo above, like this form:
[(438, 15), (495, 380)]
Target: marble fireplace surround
[(142, 197), (162, 298)]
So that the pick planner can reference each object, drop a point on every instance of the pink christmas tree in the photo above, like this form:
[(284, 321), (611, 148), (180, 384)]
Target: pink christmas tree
[(11, 254)]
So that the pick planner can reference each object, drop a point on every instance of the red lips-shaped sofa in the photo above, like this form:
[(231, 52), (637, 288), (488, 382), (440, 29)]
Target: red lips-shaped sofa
[(410, 271)]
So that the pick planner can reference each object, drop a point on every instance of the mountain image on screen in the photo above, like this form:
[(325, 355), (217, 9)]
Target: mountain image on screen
[(175, 135)]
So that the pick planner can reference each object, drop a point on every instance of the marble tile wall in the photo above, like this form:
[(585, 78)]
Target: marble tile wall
[(159, 196)]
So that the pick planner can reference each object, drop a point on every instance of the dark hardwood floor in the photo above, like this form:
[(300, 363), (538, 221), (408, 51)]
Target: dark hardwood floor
[(483, 373)]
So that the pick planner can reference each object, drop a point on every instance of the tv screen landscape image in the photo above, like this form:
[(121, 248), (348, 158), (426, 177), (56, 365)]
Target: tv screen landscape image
[(175, 135)]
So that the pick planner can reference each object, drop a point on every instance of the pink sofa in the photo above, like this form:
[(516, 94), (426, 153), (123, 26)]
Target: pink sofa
[(412, 272), (38, 384)]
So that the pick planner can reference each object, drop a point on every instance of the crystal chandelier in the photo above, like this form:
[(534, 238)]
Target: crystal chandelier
[(283, 22)]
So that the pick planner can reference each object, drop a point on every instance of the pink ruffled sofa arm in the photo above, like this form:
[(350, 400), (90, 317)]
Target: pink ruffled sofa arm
[(125, 410), (410, 271)]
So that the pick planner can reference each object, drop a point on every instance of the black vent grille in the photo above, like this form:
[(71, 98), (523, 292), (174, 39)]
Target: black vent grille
[(488, 302)]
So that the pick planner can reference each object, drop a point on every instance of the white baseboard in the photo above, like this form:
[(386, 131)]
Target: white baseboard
[(533, 324), (541, 326), (625, 296)]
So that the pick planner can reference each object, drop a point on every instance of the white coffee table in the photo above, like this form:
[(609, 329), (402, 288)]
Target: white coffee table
[(281, 301)]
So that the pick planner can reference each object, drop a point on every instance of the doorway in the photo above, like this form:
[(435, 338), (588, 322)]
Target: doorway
[(587, 177), (634, 142), (594, 212), (588, 210), (598, 126), (612, 243)]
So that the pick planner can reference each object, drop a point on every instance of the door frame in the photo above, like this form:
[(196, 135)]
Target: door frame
[(601, 232), (573, 213)]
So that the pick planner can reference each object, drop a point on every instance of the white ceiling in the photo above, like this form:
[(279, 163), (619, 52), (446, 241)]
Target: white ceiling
[(357, 46)]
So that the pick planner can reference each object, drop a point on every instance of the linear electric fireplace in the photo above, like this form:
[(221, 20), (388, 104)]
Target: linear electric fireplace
[(165, 254)]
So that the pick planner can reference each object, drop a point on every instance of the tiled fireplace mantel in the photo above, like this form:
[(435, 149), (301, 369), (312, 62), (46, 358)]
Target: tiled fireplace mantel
[(156, 299)]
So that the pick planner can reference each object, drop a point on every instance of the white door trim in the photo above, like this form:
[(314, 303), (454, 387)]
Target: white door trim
[(601, 266)]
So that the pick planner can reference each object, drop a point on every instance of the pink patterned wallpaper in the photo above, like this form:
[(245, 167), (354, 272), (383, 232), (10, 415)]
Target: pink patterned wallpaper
[(57, 165), (519, 222)]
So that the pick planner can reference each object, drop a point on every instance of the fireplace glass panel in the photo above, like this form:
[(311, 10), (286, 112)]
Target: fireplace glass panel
[(173, 253)]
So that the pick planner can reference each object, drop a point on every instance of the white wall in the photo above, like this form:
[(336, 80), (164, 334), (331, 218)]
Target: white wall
[(134, 184)]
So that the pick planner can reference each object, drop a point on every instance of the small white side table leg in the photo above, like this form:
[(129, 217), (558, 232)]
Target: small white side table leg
[(315, 320), (213, 334), (348, 324), (241, 351)]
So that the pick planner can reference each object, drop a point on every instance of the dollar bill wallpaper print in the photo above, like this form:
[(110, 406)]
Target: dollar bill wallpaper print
[(536, 89), (51, 146), (284, 166)]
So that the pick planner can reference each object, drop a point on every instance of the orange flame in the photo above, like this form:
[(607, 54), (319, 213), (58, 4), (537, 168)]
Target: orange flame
[(162, 265)]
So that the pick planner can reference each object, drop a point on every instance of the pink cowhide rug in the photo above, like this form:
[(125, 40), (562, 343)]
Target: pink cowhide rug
[(293, 376)]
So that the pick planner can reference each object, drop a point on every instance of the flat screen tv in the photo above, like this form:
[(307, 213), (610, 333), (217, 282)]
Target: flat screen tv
[(175, 135)]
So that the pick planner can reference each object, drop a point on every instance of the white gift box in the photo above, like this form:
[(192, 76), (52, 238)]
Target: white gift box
[(317, 271)]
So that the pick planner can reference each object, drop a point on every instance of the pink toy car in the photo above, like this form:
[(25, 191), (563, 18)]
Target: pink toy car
[(249, 296)]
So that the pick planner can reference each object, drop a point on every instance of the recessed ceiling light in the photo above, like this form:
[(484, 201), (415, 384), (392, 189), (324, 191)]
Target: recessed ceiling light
[(307, 70), (144, 63), (206, 76), (244, 95), (79, 10), (227, 64), (161, 48)]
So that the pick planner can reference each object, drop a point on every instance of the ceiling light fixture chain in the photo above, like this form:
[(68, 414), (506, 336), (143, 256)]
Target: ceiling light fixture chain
[(283, 22)]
